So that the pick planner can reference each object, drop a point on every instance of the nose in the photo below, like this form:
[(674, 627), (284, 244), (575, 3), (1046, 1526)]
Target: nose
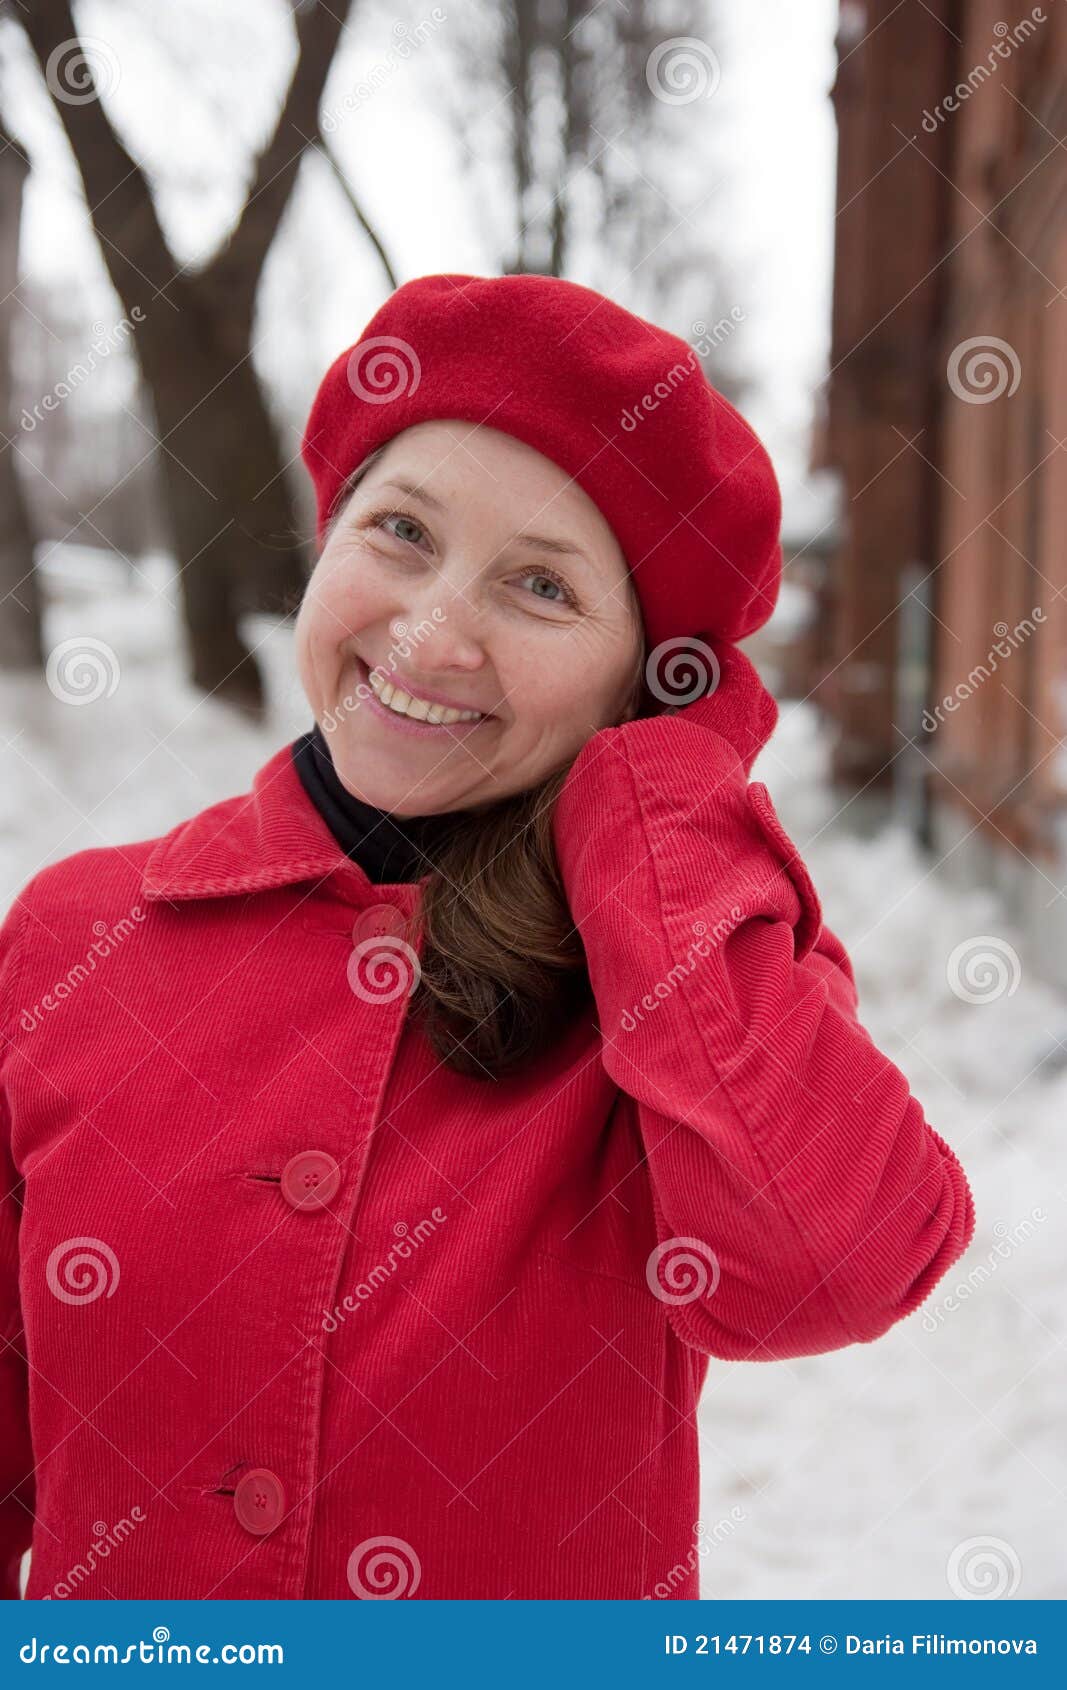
[(446, 628)]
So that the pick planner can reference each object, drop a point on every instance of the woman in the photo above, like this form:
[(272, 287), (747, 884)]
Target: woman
[(427, 1118)]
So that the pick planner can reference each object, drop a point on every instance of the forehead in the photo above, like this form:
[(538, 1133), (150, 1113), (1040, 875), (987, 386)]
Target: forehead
[(451, 457), (446, 449)]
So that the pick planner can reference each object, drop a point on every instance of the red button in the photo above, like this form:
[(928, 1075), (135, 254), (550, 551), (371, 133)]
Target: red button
[(259, 1501), (378, 922), (310, 1179)]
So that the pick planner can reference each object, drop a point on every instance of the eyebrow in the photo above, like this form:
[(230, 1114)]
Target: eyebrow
[(541, 542), (415, 492)]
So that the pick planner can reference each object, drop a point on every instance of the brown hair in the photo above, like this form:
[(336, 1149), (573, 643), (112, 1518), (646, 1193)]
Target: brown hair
[(502, 968)]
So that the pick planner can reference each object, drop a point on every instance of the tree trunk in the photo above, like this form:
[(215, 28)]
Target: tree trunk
[(21, 641), (230, 505), (228, 501)]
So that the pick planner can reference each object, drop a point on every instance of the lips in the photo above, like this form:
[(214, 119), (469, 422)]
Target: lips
[(412, 724), (430, 700)]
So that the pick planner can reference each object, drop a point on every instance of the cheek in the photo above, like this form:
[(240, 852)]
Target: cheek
[(553, 699), (340, 600)]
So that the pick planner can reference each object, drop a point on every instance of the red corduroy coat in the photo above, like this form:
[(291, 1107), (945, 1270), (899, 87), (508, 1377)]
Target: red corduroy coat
[(291, 1310)]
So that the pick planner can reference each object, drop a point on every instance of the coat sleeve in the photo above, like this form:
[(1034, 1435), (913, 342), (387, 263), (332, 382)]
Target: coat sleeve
[(16, 1458), (802, 1202)]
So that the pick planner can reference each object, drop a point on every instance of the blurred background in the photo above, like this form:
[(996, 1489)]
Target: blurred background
[(862, 207)]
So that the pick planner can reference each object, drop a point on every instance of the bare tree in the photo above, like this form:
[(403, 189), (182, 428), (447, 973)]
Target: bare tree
[(227, 494), (20, 607), (562, 90)]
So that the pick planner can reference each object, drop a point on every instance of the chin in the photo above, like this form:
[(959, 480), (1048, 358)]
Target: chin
[(385, 788)]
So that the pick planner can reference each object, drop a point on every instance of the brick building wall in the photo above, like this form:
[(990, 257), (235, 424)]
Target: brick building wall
[(947, 420)]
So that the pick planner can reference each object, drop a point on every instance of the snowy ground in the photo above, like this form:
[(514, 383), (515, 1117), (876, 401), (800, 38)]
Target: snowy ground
[(866, 1472), (855, 1474)]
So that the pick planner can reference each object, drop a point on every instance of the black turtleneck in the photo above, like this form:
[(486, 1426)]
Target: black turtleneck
[(387, 848)]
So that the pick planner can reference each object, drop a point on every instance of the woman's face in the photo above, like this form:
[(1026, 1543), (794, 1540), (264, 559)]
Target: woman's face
[(430, 579)]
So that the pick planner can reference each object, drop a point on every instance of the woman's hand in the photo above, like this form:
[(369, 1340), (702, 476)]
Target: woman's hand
[(776, 1134), (720, 718)]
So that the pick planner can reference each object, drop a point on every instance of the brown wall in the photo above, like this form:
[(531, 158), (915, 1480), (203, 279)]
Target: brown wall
[(946, 233)]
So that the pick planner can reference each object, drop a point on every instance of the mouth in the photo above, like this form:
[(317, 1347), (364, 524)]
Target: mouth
[(394, 706)]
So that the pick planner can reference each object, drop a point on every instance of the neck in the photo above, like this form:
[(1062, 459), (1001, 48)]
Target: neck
[(388, 848)]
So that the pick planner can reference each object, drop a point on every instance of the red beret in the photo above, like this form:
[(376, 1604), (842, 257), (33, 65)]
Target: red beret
[(621, 405)]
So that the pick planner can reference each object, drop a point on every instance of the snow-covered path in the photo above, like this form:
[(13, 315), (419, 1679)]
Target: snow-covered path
[(855, 1474), (867, 1472)]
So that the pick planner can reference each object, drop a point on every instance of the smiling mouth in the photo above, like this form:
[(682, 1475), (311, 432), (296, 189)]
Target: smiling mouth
[(403, 709)]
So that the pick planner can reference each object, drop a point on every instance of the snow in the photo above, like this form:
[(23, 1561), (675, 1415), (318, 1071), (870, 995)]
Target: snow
[(861, 1471), (129, 764), (853, 1474)]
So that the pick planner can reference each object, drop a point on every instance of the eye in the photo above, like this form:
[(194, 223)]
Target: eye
[(405, 523), (538, 573)]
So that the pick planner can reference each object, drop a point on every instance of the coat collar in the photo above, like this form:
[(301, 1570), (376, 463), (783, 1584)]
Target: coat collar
[(269, 837)]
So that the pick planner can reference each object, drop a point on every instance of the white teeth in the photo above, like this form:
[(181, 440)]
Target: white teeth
[(404, 705)]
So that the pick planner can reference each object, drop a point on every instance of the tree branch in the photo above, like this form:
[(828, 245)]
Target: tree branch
[(238, 263), (132, 241), (346, 188)]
